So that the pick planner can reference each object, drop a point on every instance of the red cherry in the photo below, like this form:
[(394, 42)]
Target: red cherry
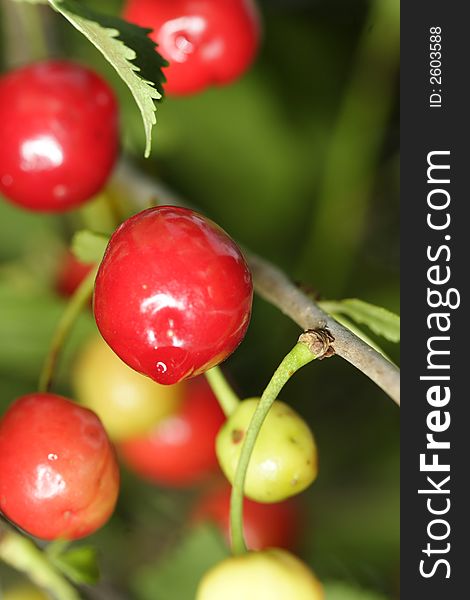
[(206, 42), (59, 135), (58, 472), (71, 274), (180, 450), (173, 294), (265, 525)]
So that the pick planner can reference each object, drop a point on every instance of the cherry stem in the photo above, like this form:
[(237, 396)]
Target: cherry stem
[(23, 555), (33, 26), (71, 313), (223, 391), (25, 38), (311, 345)]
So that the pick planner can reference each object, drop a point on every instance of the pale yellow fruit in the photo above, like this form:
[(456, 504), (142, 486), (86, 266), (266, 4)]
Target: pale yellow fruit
[(128, 404), (284, 459), (23, 592), (268, 575)]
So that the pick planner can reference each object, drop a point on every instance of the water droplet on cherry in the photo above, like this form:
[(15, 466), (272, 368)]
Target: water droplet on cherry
[(184, 44), (161, 368)]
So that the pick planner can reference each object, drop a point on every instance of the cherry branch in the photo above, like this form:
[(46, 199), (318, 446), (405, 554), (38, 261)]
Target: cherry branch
[(275, 287)]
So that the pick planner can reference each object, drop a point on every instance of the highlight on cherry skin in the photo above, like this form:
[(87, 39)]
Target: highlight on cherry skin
[(180, 450), (60, 135), (265, 525), (271, 574), (284, 459), (173, 294), (128, 403), (208, 42), (59, 476)]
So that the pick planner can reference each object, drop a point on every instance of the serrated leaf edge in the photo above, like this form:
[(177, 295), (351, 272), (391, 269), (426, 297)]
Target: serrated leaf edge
[(129, 55)]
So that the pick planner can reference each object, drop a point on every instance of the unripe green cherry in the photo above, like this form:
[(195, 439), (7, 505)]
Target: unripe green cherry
[(284, 459), (268, 575), (24, 592), (128, 403)]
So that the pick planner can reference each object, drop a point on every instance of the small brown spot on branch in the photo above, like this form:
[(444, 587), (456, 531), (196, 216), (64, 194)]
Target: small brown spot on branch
[(319, 342)]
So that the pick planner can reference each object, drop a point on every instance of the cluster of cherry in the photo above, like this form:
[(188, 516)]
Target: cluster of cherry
[(172, 300)]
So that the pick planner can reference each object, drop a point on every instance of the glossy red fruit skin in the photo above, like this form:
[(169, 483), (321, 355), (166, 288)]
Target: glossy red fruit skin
[(71, 274), (180, 450), (58, 471), (59, 135), (265, 525), (206, 42), (173, 294)]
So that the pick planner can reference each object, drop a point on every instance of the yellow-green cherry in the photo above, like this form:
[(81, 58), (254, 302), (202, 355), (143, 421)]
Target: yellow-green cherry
[(284, 459)]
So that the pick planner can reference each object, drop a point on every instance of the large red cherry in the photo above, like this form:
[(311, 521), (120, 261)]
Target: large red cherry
[(206, 42), (173, 294), (58, 472), (59, 135)]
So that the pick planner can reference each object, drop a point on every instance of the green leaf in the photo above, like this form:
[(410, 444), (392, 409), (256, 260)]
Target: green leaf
[(379, 320), (88, 246), (79, 564), (179, 573), (342, 591), (128, 49)]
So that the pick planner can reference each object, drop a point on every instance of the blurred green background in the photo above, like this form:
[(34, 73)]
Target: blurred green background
[(298, 161)]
